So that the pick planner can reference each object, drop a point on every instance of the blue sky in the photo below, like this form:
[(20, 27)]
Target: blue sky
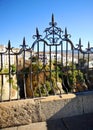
[(19, 18)]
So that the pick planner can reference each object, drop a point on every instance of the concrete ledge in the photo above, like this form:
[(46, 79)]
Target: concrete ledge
[(25, 112)]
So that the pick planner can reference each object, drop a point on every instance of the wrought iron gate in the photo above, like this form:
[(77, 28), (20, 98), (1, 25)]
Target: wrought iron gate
[(52, 65)]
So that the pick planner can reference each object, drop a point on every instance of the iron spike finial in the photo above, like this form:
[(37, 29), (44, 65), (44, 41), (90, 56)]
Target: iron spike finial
[(80, 46), (66, 32), (88, 44), (37, 32), (52, 23), (24, 41), (52, 19), (79, 41), (9, 44), (88, 49), (24, 44)]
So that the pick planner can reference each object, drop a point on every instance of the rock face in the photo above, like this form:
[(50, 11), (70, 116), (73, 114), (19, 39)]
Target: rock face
[(60, 90), (81, 87), (29, 82)]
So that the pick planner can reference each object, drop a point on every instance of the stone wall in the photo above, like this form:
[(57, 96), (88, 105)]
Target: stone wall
[(23, 112)]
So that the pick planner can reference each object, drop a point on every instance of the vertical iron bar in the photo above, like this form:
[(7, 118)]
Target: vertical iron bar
[(78, 62), (61, 53), (1, 89), (73, 67), (88, 65), (62, 63), (88, 61), (2, 82), (44, 63), (44, 58), (38, 70), (1, 61), (16, 75), (66, 53), (56, 64), (83, 56), (88, 49), (24, 78), (84, 77), (9, 73), (51, 85), (83, 60), (31, 73)]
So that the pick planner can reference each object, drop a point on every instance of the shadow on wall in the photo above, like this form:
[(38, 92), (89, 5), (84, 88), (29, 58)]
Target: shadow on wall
[(60, 111), (52, 109)]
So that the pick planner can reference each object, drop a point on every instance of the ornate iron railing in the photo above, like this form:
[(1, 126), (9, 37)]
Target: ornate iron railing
[(52, 65)]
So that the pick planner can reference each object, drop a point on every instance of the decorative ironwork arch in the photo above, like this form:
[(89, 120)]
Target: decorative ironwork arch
[(53, 35)]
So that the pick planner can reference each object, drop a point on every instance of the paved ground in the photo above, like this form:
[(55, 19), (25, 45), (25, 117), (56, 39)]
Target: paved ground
[(82, 122)]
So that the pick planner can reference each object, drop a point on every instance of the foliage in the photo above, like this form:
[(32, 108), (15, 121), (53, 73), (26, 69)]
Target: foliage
[(13, 68), (15, 87), (45, 77), (5, 70)]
